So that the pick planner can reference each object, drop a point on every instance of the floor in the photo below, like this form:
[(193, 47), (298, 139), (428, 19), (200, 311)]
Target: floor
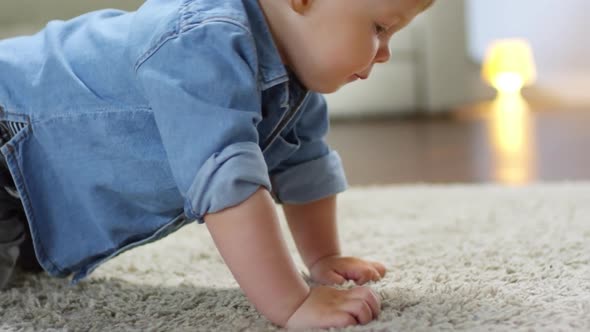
[(505, 141)]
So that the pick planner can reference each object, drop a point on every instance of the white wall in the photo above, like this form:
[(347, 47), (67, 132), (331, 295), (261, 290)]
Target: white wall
[(558, 33), (452, 77)]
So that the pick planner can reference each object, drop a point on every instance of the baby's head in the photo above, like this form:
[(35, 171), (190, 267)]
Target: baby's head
[(329, 43)]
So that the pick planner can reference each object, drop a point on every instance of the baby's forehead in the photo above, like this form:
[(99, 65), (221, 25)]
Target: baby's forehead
[(418, 5), (404, 8)]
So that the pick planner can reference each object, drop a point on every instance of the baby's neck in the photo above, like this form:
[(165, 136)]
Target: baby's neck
[(277, 16)]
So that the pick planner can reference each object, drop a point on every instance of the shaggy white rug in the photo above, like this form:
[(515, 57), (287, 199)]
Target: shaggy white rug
[(461, 257)]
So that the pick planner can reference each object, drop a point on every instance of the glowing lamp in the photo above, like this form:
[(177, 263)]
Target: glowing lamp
[(509, 65)]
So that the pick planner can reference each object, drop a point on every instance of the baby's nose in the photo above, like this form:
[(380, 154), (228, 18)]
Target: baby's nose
[(383, 54)]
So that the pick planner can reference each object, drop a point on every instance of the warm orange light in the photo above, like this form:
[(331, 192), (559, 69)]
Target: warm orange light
[(509, 65), (512, 136)]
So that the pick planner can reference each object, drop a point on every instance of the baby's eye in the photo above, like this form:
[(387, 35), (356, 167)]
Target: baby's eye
[(379, 29)]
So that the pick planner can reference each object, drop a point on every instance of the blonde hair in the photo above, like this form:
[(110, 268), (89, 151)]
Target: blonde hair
[(426, 4)]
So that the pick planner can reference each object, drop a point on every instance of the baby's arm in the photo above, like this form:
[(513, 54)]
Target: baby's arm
[(314, 229), (249, 240)]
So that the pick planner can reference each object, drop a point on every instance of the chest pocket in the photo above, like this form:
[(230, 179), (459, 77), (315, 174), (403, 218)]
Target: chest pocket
[(282, 148)]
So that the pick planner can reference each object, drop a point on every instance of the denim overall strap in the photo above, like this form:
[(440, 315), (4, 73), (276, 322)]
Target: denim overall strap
[(16, 247), (12, 231)]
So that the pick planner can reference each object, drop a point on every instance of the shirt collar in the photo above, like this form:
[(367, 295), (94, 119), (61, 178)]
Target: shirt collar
[(272, 70)]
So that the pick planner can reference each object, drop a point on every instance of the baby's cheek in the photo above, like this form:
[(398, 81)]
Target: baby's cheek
[(345, 59)]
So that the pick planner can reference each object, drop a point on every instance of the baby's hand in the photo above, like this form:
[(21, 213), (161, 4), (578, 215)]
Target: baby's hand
[(337, 269), (327, 307)]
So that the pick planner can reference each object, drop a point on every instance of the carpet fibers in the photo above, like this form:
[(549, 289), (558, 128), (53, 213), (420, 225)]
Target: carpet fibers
[(460, 257)]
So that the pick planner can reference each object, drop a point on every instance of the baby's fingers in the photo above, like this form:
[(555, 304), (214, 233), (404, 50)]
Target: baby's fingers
[(380, 268), (366, 294), (360, 310), (365, 275)]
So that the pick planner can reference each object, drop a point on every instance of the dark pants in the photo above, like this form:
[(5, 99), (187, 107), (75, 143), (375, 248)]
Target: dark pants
[(16, 247)]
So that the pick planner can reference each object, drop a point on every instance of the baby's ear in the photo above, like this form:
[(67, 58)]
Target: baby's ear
[(301, 6)]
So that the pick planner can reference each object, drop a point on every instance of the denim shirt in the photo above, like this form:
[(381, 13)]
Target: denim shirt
[(137, 123)]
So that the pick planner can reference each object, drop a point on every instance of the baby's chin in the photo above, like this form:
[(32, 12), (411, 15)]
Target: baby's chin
[(323, 83), (326, 88)]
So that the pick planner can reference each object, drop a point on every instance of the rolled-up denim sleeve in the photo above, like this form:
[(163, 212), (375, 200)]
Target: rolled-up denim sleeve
[(314, 171), (202, 87)]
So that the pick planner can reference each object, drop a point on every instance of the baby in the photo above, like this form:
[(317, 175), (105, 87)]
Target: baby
[(118, 128)]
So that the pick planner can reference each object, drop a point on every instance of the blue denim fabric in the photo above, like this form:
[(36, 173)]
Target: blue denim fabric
[(137, 123)]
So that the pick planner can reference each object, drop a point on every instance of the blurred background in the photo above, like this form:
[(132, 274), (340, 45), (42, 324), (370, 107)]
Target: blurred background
[(449, 107)]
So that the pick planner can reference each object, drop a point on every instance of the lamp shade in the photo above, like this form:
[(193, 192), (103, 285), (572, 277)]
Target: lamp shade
[(509, 65)]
